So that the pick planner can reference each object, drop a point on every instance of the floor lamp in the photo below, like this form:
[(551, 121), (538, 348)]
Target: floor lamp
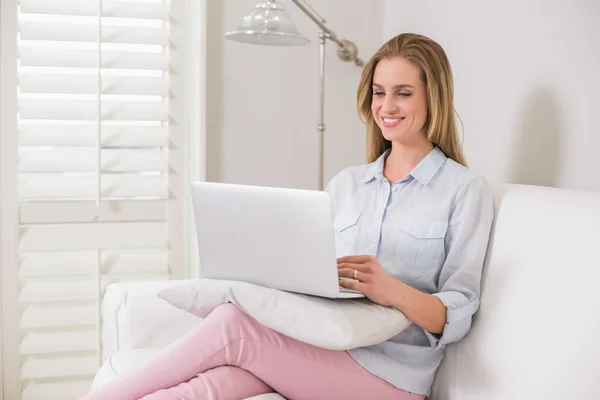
[(269, 24)]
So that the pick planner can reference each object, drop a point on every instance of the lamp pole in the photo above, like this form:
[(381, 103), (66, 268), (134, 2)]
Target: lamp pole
[(321, 122), (347, 51)]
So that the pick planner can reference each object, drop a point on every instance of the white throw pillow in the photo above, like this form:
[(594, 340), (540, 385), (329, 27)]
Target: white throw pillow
[(336, 324)]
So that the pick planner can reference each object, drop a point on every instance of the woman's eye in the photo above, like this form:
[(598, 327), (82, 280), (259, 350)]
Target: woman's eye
[(379, 94), (404, 94)]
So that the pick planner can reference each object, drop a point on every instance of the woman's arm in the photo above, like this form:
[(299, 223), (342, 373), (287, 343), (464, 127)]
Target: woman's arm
[(424, 310)]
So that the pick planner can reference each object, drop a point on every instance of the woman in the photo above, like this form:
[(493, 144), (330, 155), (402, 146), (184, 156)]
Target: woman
[(412, 226)]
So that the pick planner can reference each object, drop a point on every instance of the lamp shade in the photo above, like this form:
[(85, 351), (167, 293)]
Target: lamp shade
[(268, 24)]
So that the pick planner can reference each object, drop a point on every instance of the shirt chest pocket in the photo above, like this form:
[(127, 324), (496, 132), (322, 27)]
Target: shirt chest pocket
[(346, 231), (419, 248)]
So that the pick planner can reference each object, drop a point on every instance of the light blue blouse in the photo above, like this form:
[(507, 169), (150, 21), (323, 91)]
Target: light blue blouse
[(429, 230)]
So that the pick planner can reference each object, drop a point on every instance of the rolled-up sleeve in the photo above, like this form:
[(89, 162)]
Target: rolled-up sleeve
[(466, 244)]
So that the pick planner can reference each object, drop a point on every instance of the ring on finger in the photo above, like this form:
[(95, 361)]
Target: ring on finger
[(355, 274)]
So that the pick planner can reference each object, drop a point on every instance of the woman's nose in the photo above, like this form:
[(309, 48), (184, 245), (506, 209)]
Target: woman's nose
[(389, 106)]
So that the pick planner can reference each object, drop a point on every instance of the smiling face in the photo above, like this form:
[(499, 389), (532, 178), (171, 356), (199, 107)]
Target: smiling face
[(399, 105)]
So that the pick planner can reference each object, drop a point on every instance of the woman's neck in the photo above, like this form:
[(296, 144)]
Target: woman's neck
[(404, 158)]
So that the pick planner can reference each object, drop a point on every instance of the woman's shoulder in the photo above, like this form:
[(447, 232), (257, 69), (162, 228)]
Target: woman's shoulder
[(459, 173), (464, 181)]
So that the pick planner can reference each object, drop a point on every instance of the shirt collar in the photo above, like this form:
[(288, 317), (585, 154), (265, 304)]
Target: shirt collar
[(423, 172)]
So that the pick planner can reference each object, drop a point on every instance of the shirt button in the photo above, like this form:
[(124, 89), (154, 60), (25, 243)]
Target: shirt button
[(372, 247), (394, 189)]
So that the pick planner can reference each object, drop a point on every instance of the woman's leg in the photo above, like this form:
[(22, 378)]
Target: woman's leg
[(223, 383), (230, 337)]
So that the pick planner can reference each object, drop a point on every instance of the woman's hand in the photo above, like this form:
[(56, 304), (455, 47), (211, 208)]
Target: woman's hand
[(369, 278)]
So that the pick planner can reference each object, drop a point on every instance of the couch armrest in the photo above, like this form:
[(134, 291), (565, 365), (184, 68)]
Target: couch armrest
[(134, 317)]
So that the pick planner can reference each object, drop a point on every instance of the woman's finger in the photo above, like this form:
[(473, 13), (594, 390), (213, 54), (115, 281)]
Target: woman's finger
[(352, 285), (361, 259), (345, 273), (358, 267), (350, 273)]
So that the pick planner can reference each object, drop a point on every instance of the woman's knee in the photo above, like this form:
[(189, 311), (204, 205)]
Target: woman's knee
[(228, 310), (229, 320), (230, 313)]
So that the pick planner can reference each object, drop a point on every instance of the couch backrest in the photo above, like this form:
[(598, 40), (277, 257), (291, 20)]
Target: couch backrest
[(537, 333)]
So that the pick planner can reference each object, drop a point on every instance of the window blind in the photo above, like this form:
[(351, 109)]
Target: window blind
[(98, 176)]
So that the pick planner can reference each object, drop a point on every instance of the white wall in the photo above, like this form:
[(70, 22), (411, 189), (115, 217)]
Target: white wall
[(527, 76), (263, 101)]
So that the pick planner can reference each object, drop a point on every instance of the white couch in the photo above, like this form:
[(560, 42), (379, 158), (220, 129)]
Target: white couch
[(536, 335)]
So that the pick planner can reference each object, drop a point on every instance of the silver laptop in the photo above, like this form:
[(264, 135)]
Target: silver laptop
[(273, 237)]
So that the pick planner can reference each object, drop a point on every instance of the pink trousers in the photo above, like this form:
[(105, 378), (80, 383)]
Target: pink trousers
[(230, 355)]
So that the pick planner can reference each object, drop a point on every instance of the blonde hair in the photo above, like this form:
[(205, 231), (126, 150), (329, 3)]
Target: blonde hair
[(440, 126)]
